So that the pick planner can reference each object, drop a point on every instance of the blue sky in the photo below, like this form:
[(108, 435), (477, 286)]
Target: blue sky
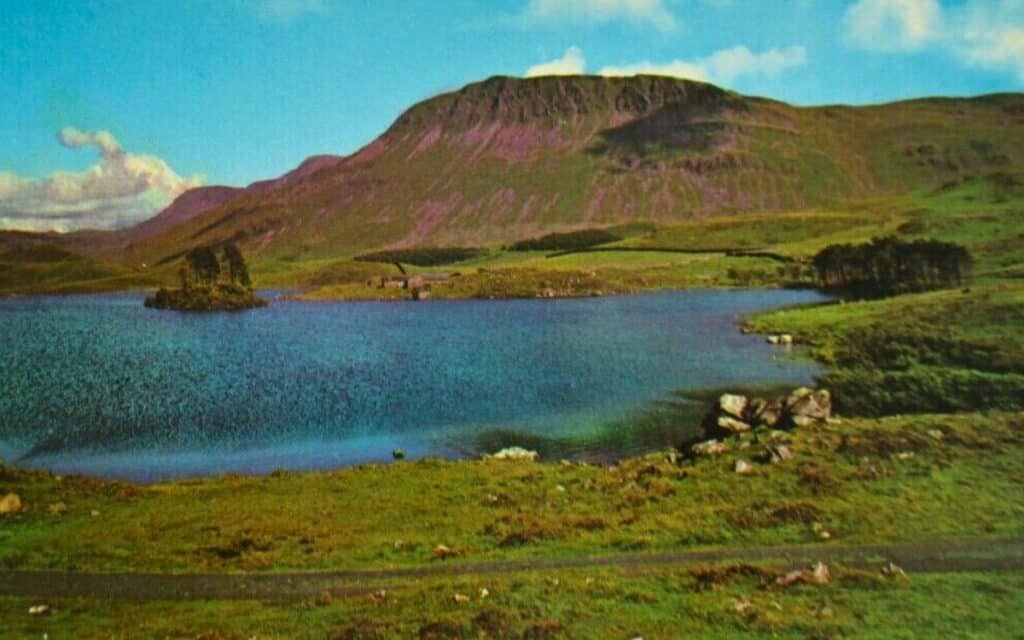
[(229, 91)]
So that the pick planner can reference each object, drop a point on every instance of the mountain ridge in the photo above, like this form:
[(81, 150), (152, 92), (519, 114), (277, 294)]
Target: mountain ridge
[(507, 158)]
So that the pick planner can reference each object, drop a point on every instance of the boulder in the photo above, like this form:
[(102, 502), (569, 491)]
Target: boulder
[(732, 425), (761, 412), (515, 453), (398, 454), (709, 448), (778, 453), (805, 407), (10, 503), (732, 405), (785, 339), (743, 467), (773, 339)]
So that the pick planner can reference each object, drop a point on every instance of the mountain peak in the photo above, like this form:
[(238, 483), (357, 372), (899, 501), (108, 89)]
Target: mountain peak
[(511, 100)]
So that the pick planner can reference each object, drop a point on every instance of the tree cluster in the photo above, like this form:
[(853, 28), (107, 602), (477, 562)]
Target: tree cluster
[(205, 268), (888, 266)]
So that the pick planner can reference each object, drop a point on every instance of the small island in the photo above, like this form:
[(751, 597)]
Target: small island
[(210, 283)]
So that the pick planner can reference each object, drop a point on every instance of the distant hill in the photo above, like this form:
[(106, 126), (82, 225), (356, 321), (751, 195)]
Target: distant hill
[(509, 158)]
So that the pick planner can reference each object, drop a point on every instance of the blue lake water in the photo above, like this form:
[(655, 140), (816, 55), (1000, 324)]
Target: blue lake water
[(99, 384)]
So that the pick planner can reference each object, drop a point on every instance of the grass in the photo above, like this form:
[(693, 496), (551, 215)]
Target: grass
[(963, 484), (664, 603)]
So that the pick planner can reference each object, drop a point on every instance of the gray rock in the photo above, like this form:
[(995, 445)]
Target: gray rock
[(710, 448), (732, 425), (805, 406), (743, 467), (732, 405)]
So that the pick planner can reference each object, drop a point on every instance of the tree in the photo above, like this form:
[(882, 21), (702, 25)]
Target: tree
[(203, 264), (237, 270), (886, 266)]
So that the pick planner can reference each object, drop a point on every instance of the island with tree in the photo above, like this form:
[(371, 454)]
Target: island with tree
[(210, 282)]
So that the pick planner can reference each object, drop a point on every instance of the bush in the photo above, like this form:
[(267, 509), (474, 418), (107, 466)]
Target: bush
[(570, 241)]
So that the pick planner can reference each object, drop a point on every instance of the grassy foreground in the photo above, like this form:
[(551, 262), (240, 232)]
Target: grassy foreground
[(664, 603), (932, 477)]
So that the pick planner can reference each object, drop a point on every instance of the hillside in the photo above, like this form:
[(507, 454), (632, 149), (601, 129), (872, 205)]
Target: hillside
[(507, 158), (510, 158)]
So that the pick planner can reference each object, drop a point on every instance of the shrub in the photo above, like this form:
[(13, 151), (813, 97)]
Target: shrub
[(569, 241)]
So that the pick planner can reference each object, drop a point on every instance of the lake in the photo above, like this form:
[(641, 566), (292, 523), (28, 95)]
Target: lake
[(98, 384)]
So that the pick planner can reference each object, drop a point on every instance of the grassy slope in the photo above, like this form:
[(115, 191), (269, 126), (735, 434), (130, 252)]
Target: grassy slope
[(507, 159), (862, 480), (985, 217), (847, 477), (572, 604)]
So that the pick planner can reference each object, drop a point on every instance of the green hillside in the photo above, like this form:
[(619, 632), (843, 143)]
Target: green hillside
[(684, 165)]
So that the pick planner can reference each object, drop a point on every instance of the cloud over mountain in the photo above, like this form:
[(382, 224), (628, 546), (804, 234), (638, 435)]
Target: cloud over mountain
[(722, 66), (121, 189)]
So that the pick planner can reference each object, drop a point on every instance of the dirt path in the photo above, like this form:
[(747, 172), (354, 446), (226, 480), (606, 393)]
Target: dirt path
[(969, 555)]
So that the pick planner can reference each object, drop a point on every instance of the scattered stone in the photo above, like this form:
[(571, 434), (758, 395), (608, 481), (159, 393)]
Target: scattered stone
[(484, 592), (95, 513), (39, 610), (57, 508), (743, 606), (398, 454), (710, 448), (442, 552), (565, 463), (732, 425), (514, 453), (778, 453), (790, 578), (805, 406), (773, 339), (743, 467), (820, 574), (11, 503), (936, 434), (559, 488), (905, 455), (785, 339), (732, 404), (460, 598), (893, 570)]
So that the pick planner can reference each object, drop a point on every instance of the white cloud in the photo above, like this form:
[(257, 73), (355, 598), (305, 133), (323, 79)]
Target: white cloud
[(722, 66), (892, 25), (991, 35), (288, 10), (981, 33), (121, 189), (570, 64), (646, 12)]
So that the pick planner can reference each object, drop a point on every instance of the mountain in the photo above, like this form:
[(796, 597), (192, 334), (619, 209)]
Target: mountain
[(509, 158)]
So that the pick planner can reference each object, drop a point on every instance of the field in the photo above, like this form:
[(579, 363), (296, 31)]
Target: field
[(929, 449)]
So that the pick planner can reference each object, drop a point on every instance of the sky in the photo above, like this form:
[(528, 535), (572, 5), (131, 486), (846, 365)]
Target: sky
[(110, 109)]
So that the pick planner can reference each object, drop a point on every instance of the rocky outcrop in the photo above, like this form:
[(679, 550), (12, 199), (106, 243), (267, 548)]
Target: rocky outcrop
[(734, 414), (759, 421)]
